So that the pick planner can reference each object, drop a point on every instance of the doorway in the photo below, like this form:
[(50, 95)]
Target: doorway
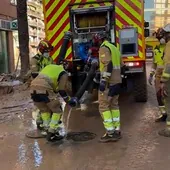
[(4, 68)]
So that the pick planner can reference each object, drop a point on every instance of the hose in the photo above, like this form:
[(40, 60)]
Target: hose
[(64, 47), (89, 79)]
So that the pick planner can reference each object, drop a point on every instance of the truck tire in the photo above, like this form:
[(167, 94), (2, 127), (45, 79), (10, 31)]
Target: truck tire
[(140, 88)]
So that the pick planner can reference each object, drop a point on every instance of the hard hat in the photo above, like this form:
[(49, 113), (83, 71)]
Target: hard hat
[(44, 46)]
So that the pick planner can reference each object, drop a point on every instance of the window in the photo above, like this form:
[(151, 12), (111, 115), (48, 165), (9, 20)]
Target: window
[(159, 6), (160, 11), (159, 1), (13, 2)]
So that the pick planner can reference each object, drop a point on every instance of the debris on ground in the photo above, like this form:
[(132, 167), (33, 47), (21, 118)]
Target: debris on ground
[(7, 83)]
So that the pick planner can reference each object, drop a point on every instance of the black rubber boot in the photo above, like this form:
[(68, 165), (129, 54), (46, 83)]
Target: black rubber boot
[(111, 137), (39, 126), (53, 137), (161, 118)]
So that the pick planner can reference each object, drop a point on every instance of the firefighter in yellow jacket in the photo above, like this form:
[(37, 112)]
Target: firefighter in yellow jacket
[(157, 70), (46, 90), (37, 63), (165, 80), (42, 58), (109, 88)]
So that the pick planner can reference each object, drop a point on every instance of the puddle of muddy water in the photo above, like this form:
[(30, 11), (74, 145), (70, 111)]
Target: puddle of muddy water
[(38, 157)]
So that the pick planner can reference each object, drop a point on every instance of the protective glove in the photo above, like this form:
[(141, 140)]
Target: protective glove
[(73, 101), (150, 80), (102, 86), (95, 61), (114, 90)]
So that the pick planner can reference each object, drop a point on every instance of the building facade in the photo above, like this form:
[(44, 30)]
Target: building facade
[(36, 24), (157, 13), (7, 13), (35, 27)]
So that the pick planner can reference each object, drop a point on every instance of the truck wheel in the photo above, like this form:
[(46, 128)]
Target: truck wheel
[(140, 88)]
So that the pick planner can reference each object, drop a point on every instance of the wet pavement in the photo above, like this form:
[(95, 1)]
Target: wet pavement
[(141, 148)]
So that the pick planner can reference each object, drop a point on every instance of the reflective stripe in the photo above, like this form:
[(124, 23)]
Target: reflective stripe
[(161, 106), (110, 128), (162, 109), (116, 67), (106, 74), (116, 119), (108, 120)]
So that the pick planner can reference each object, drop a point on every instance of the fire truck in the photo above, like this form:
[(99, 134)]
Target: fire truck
[(121, 20)]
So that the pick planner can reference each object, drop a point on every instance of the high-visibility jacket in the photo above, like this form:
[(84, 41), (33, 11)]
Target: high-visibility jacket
[(38, 62), (109, 54), (158, 56), (158, 63), (115, 55), (52, 72), (166, 58)]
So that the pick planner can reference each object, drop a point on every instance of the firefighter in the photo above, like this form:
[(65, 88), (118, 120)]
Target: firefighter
[(46, 90), (42, 58), (93, 52), (37, 63), (165, 80), (109, 88), (157, 69)]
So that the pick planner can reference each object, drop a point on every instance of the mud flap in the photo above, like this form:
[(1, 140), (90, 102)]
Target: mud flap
[(35, 134)]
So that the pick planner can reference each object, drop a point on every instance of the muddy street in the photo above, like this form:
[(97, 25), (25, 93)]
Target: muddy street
[(141, 148)]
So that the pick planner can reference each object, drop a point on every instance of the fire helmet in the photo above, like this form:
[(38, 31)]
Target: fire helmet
[(44, 46)]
